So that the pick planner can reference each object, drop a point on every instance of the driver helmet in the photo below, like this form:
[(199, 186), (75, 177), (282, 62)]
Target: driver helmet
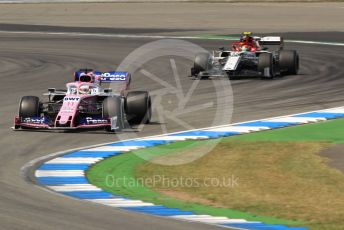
[(246, 37), (84, 89)]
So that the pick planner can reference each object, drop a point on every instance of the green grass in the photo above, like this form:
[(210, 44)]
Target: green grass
[(123, 166), (130, 166)]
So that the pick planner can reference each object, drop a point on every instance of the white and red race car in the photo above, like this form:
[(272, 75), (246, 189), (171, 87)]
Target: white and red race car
[(85, 104), (250, 56)]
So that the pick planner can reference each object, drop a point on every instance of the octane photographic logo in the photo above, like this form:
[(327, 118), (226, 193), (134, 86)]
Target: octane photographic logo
[(179, 103)]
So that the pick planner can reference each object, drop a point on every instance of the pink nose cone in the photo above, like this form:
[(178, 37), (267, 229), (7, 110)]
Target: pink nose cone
[(64, 119)]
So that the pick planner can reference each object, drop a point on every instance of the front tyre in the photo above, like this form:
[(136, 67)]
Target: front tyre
[(201, 63), (111, 107), (29, 106), (138, 107), (266, 66)]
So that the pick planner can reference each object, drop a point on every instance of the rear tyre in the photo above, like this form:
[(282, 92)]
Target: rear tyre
[(111, 108), (29, 106), (201, 63), (266, 65), (289, 62), (138, 107)]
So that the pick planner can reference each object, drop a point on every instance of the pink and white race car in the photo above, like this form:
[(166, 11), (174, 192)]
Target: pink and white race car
[(85, 104)]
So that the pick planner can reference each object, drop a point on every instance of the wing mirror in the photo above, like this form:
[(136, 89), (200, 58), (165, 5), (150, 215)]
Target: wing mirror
[(51, 90), (108, 90)]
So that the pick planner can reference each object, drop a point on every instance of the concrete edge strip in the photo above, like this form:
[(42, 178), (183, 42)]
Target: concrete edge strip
[(226, 38), (64, 172), (160, 1)]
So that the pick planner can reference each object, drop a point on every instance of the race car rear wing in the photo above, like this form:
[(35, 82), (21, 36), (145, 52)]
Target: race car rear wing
[(113, 76), (271, 40), (102, 77)]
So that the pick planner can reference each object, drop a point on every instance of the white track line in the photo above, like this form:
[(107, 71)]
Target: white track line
[(210, 219), (74, 187), (59, 173), (120, 202), (174, 138), (239, 129), (75, 160), (158, 37), (114, 148), (297, 119), (339, 110)]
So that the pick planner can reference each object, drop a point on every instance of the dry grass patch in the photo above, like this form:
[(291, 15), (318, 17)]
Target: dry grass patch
[(281, 179)]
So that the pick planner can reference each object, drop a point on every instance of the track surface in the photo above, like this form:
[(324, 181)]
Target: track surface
[(210, 17), (31, 63)]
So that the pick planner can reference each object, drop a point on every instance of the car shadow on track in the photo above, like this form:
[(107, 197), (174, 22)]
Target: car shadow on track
[(134, 129)]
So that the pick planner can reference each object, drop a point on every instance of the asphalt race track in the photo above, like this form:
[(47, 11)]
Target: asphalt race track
[(32, 63)]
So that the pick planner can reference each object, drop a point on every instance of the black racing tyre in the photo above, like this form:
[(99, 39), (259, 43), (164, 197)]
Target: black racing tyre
[(231, 76), (289, 62), (138, 107), (201, 63), (265, 60), (29, 106), (111, 107), (193, 73)]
